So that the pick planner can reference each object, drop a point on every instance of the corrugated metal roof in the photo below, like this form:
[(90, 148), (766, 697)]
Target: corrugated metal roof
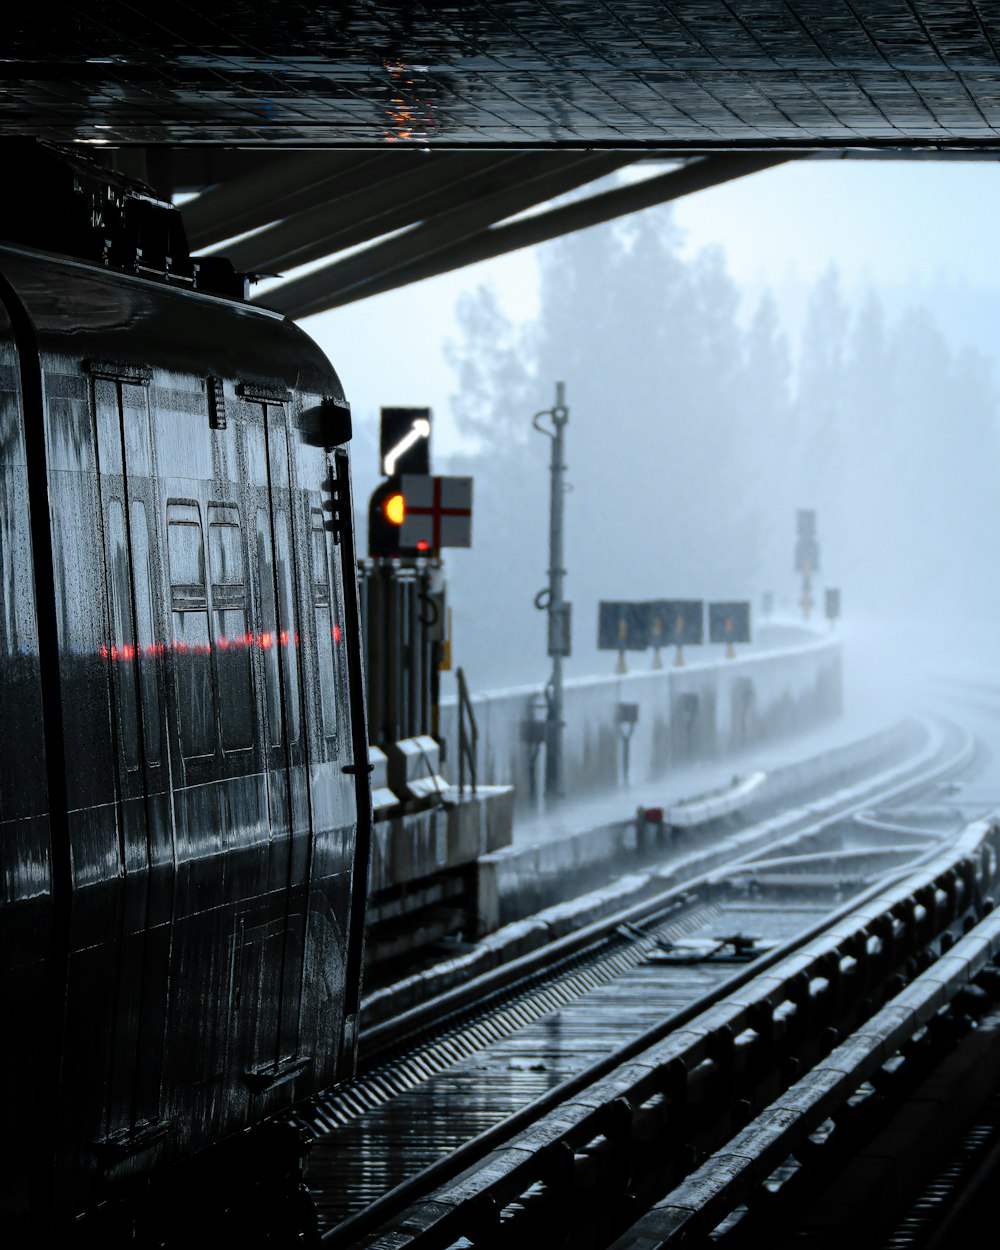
[(688, 74)]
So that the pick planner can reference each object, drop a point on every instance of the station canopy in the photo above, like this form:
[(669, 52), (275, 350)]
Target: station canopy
[(406, 139)]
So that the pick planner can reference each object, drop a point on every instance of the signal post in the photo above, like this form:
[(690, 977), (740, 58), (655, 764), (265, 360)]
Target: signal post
[(428, 834)]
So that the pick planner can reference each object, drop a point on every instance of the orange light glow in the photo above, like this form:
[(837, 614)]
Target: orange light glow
[(395, 509)]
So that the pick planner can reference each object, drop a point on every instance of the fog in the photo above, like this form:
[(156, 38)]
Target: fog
[(712, 392)]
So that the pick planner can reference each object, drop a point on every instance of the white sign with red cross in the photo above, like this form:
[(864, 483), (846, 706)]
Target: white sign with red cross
[(438, 512)]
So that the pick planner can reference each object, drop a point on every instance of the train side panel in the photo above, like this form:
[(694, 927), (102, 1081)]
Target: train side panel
[(329, 790), (204, 695), (26, 909)]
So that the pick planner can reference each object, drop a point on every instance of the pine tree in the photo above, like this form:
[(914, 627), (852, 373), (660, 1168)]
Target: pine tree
[(771, 441)]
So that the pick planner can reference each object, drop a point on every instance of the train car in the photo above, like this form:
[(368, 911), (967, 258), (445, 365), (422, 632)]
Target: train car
[(185, 832)]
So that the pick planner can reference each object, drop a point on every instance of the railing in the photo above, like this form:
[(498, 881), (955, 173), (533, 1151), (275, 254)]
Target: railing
[(468, 734), (683, 713)]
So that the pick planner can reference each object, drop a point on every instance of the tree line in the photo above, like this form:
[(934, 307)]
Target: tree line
[(695, 433)]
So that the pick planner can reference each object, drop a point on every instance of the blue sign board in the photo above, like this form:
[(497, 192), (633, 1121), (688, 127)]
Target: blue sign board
[(676, 622), (622, 626), (729, 622)]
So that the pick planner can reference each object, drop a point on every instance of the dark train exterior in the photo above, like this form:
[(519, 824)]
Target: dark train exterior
[(185, 836)]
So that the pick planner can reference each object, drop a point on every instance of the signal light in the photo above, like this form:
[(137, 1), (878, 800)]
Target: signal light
[(386, 513), (395, 509)]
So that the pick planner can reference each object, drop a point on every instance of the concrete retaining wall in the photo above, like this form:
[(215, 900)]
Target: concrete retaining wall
[(704, 711)]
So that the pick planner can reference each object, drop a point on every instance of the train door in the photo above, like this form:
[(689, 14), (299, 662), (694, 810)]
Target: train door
[(337, 893), (228, 857), (132, 651), (272, 951)]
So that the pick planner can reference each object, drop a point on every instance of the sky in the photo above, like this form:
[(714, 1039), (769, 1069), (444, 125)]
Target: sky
[(920, 231)]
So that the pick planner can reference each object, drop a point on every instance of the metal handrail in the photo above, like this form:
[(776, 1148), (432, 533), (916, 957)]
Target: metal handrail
[(468, 738)]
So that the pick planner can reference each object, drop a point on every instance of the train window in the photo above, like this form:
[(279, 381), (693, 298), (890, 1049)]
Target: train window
[(230, 618), (323, 622), (186, 552), (225, 546), (145, 634), (122, 641), (191, 643), (268, 627)]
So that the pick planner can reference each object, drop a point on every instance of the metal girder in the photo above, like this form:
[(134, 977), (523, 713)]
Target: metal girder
[(283, 186), (407, 193), (169, 170), (326, 288), (530, 180)]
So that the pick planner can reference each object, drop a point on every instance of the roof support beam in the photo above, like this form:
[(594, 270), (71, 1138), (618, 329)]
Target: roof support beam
[(285, 185), (322, 290), (529, 179), (406, 193)]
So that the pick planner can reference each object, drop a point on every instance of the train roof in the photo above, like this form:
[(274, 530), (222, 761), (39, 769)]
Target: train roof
[(85, 310)]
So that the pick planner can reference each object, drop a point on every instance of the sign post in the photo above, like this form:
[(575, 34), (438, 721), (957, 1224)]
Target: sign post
[(806, 556), (626, 717), (551, 598), (656, 633), (729, 623), (412, 515), (683, 624), (622, 627)]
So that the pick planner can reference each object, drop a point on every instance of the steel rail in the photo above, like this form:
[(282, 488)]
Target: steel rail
[(716, 1188), (604, 1101), (885, 826), (889, 784), (431, 1045), (842, 856), (609, 1069), (465, 1156)]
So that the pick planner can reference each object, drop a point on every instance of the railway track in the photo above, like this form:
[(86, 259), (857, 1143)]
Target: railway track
[(788, 1151), (521, 1082)]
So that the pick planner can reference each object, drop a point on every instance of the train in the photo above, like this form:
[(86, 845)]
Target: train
[(184, 779)]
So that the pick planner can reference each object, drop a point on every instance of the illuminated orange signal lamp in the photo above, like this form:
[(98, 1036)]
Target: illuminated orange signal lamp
[(394, 508), (386, 514)]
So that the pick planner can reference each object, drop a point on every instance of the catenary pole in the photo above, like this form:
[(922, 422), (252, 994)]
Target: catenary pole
[(551, 598)]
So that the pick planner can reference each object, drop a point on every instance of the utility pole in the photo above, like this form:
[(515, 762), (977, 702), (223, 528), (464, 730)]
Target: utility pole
[(550, 599)]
